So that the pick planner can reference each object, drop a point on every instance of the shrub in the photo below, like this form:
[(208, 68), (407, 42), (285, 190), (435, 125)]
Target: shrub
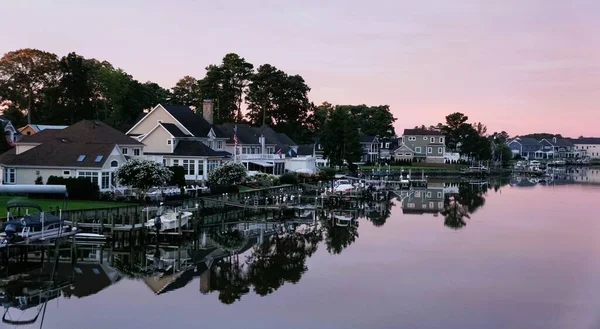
[(78, 188), (228, 174), (143, 174), (289, 178), (39, 180), (178, 176), (265, 180)]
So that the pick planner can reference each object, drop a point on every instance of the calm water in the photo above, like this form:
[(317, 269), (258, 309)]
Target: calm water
[(528, 257)]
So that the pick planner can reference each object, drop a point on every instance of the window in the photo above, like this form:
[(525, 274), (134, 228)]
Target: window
[(200, 167), (210, 144), (124, 151), (441, 139), (189, 166), (81, 158), (410, 205), (440, 150), (271, 149), (429, 195), (169, 142), (105, 180), (10, 175), (253, 150), (432, 139), (175, 162), (99, 158), (418, 149), (417, 194), (114, 164), (387, 145), (424, 138), (164, 162), (37, 172), (439, 194), (440, 204), (219, 145), (430, 205), (66, 173), (136, 152), (212, 165), (412, 138), (92, 175)]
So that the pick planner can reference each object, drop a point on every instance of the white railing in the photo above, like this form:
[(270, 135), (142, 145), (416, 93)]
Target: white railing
[(261, 156)]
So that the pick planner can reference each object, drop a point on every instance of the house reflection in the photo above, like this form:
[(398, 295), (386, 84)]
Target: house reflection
[(425, 200), (586, 175)]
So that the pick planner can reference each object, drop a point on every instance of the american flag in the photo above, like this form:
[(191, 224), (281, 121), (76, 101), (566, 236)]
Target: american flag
[(279, 152)]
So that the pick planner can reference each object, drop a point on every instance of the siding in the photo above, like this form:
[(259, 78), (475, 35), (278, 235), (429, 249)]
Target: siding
[(20, 148), (156, 142), (28, 175), (114, 156), (150, 121)]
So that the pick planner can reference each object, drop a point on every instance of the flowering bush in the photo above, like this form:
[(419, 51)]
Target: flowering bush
[(143, 174), (265, 180), (228, 174)]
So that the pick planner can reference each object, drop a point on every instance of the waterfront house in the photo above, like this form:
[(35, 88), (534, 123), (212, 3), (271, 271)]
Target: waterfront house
[(90, 149), (176, 136), (526, 147), (403, 152), (587, 147), (370, 148), (32, 129), (318, 152), (560, 148), (387, 146), (426, 145), (11, 134)]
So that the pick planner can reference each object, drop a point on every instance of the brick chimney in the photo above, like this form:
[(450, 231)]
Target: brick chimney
[(207, 110)]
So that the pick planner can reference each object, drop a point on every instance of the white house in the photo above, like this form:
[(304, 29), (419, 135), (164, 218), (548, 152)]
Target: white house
[(88, 149), (587, 146)]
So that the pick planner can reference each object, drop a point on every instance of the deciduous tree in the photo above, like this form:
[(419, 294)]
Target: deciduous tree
[(24, 74), (340, 138), (143, 175)]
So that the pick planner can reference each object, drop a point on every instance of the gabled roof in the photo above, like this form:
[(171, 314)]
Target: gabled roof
[(368, 139), (56, 153), (403, 147), (306, 149), (285, 139), (193, 149), (63, 148), (173, 129), (421, 132), (193, 122), (39, 128), (39, 137), (525, 141), (586, 140)]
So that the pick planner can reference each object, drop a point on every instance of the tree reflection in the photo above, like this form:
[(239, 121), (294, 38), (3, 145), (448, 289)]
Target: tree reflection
[(381, 212), (229, 279), (338, 235), (455, 214)]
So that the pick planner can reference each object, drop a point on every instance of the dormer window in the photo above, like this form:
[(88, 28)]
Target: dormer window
[(81, 158)]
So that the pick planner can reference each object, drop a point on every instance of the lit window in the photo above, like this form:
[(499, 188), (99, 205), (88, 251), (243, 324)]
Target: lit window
[(81, 158)]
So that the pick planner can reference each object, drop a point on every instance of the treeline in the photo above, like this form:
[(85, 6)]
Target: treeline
[(471, 139), (39, 87)]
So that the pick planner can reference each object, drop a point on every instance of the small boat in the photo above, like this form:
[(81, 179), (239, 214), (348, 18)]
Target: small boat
[(35, 226), (91, 237), (169, 218)]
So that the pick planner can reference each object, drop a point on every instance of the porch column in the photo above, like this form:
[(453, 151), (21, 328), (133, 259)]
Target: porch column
[(205, 169)]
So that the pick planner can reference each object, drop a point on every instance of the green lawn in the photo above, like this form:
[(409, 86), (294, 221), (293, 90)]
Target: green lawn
[(46, 204)]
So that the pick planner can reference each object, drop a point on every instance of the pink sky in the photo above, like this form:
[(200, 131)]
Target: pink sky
[(516, 65)]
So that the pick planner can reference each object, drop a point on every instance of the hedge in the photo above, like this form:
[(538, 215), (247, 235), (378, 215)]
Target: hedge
[(79, 188)]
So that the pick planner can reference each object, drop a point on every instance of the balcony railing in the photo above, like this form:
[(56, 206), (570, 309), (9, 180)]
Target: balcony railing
[(261, 156)]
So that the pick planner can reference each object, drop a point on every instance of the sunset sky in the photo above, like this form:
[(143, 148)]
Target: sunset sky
[(516, 65)]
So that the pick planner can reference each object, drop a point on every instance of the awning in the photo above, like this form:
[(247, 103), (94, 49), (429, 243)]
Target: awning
[(262, 163)]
